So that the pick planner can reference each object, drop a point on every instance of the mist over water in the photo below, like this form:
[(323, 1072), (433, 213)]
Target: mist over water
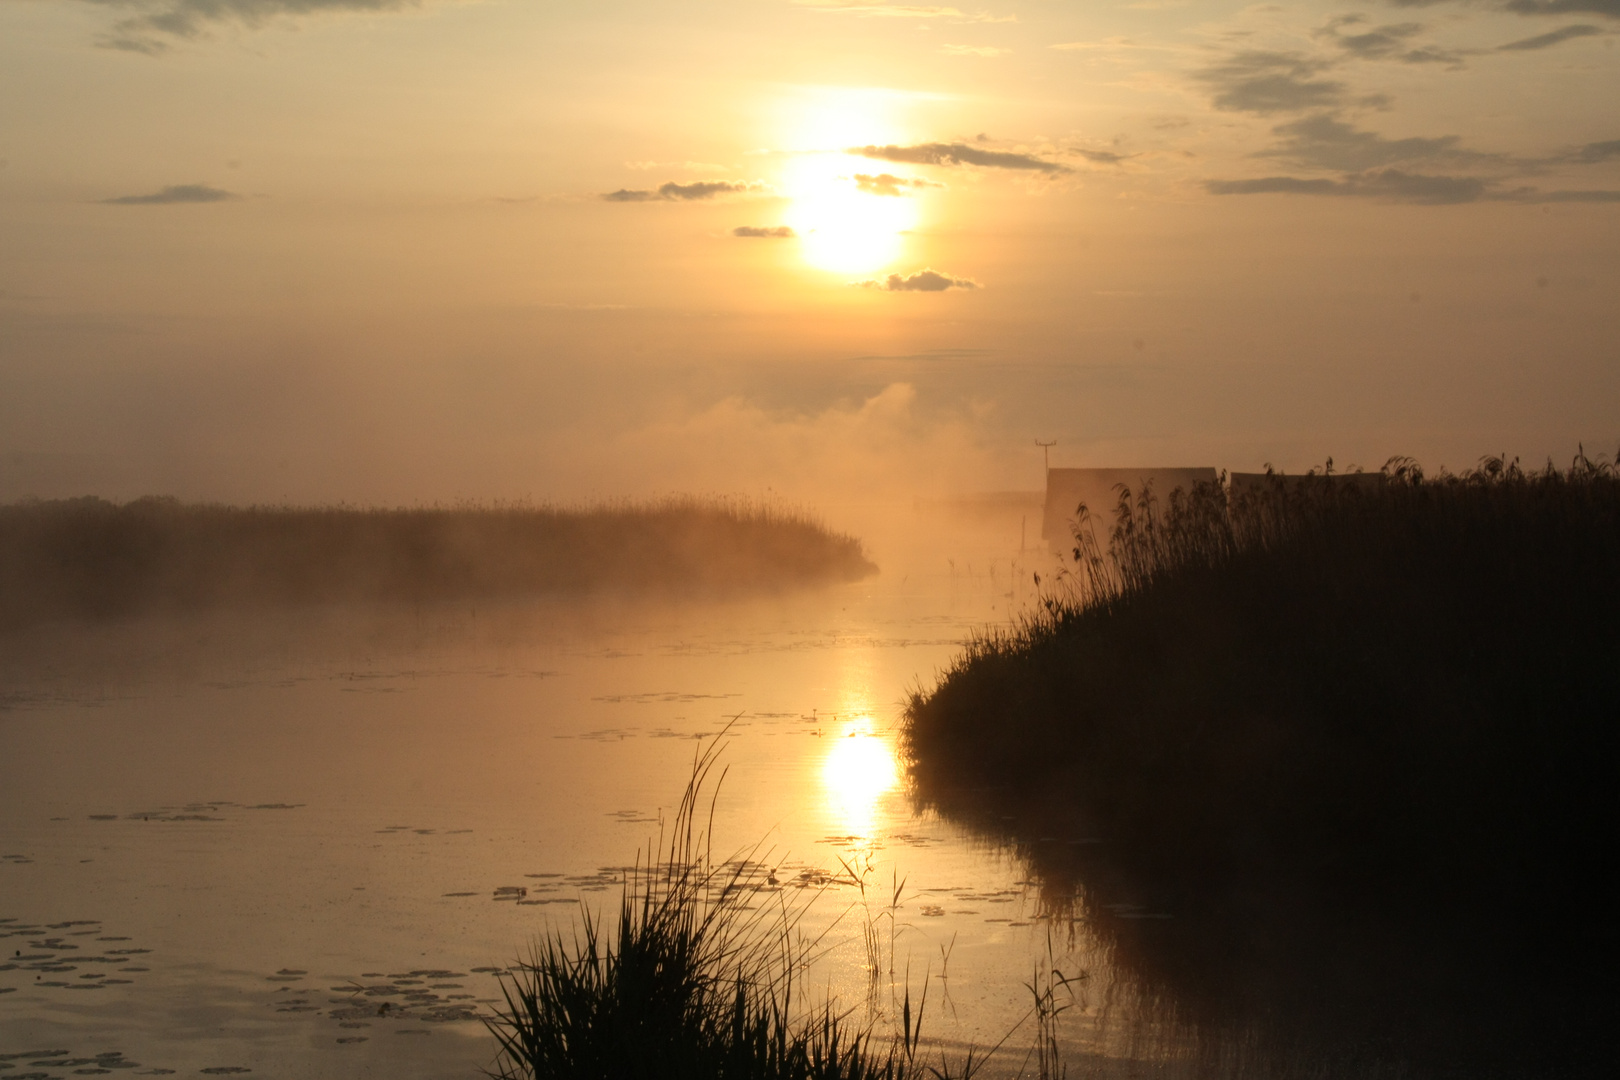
[(294, 811)]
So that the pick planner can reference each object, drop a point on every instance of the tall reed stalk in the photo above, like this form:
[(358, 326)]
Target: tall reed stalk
[(698, 979)]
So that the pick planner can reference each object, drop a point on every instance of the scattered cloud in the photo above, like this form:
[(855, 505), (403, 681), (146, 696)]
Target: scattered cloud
[(957, 154), (764, 232), (921, 281), (1393, 42), (973, 50), (1548, 40), (673, 192), (1325, 142), (1389, 185), (1592, 153), (155, 25), (1101, 157), (177, 193), (1264, 82), (889, 184), (1530, 195), (1611, 8)]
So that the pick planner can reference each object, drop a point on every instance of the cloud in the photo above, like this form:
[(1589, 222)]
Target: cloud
[(956, 154), (1610, 8), (177, 193), (884, 441), (673, 192), (1390, 42), (1325, 142), (1270, 82), (973, 50), (1592, 153), (154, 24), (1101, 157), (764, 232), (1565, 196), (921, 281), (1389, 185), (889, 184), (1548, 40)]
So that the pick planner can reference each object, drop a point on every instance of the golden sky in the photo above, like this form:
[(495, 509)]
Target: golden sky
[(387, 251)]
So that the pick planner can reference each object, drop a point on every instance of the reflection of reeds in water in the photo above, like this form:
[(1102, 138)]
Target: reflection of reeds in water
[(1357, 735), (87, 557), (697, 980)]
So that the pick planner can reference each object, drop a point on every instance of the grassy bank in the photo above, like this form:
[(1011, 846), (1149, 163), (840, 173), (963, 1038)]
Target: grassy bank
[(1396, 698), (90, 558)]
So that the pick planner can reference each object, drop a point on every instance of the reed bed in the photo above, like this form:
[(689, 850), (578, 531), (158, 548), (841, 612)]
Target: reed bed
[(88, 558), (1383, 692), (698, 978)]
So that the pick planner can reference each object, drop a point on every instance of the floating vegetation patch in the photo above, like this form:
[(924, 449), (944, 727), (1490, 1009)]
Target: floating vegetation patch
[(414, 997), (633, 817), (103, 1063), (40, 951), (668, 697), (195, 811)]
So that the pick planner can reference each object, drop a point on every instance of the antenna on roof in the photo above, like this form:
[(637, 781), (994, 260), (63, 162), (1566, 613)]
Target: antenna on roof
[(1046, 452)]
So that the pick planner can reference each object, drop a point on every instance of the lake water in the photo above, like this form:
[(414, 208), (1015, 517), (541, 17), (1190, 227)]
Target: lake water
[(305, 844)]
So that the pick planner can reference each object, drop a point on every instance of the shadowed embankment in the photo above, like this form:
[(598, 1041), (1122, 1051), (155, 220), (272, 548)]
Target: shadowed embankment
[(1350, 748), (88, 558)]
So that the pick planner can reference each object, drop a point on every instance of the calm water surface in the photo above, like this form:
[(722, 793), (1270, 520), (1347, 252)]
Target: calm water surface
[(306, 845)]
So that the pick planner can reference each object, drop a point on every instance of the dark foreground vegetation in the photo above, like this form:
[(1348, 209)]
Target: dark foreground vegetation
[(696, 981), (92, 558), (1359, 738)]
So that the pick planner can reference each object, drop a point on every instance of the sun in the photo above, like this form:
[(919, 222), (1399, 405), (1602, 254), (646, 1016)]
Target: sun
[(843, 227)]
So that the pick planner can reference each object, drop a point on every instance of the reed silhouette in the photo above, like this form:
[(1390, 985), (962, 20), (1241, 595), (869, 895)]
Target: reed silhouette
[(698, 979), (91, 558), (1356, 735)]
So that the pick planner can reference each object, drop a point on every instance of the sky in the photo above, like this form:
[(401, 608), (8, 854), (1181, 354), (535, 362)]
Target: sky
[(393, 252)]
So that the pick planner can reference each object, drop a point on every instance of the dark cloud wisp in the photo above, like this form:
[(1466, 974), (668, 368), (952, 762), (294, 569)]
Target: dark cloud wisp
[(1393, 42), (1389, 185), (1592, 153), (154, 24), (921, 281), (1102, 157), (1610, 8), (1548, 40), (673, 192), (1325, 142), (1264, 82), (957, 154), (176, 193), (889, 184), (764, 232)]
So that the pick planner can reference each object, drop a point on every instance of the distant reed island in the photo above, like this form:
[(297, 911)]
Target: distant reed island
[(89, 558), (1288, 708)]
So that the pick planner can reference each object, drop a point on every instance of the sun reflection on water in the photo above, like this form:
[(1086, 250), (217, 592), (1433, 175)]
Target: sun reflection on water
[(860, 769)]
